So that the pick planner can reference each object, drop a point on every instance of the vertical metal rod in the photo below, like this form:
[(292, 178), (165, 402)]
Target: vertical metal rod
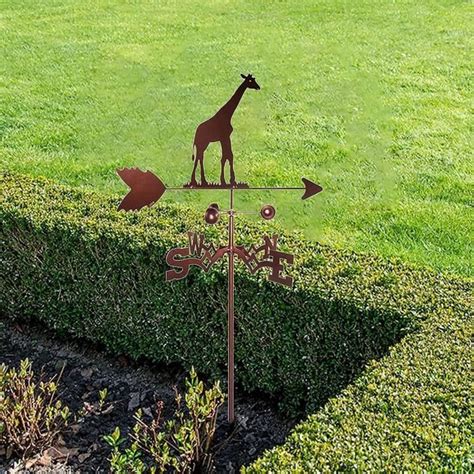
[(230, 315)]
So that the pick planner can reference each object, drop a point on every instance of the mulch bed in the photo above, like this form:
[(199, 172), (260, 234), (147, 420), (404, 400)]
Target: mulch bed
[(131, 385)]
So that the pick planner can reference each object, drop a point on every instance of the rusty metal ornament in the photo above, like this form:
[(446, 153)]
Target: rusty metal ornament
[(211, 216), (203, 255), (268, 212), (146, 189)]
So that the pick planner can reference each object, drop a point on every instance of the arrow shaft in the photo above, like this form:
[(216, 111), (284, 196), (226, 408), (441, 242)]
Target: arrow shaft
[(276, 188)]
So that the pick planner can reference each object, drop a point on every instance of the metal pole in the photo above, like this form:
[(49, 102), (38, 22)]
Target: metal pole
[(230, 315)]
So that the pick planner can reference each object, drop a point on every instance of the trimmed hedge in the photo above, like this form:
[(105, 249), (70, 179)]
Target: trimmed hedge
[(69, 259), (409, 412)]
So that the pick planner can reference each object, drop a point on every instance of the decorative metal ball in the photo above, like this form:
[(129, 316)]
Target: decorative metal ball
[(212, 214), (268, 212)]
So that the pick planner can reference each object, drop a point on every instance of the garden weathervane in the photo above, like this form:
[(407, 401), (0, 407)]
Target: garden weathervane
[(146, 189)]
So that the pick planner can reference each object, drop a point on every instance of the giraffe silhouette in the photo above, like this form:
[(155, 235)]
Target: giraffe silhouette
[(218, 129)]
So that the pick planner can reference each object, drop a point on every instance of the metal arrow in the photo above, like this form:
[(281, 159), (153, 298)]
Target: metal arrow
[(146, 188)]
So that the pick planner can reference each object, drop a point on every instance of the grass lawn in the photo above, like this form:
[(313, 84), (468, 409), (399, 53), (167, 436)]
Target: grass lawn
[(371, 99)]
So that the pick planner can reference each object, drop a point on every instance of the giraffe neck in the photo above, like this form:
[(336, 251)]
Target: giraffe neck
[(229, 107)]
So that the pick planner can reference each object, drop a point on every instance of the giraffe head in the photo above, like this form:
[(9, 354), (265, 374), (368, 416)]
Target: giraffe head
[(250, 82)]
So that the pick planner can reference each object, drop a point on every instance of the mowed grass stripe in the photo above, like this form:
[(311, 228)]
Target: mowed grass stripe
[(372, 99)]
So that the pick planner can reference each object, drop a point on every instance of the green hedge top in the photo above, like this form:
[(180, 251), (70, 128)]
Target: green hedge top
[(409, 412), (365, 280), (74, 262)]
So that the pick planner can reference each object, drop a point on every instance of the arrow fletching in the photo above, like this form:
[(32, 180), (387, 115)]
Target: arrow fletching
[(145, 189)]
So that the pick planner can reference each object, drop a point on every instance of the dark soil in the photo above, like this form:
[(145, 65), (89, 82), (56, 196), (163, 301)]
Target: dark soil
[(131, 385)]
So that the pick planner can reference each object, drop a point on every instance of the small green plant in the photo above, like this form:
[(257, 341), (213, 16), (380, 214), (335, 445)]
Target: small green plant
[(128, 461), (102, 396), (31, 414), (183, 443)]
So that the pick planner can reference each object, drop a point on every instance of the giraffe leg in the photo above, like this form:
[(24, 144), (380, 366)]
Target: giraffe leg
[(193, 176), (203, 177), (228, 155), (200, 158), (223, 160)]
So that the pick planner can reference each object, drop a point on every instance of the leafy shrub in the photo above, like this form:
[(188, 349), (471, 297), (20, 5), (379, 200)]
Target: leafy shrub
[(182, 444), (31, 414), (409, 412), (69, 259)]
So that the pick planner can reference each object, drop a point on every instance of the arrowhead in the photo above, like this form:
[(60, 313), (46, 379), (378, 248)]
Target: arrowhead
[(145, 189), (310, 188)]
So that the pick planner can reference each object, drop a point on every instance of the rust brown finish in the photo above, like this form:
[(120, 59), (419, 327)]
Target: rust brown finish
[(277, 268), (310, 188), (218, 129), (268, 212), (230, 315), (200, 254), (145, 189), (216, 186)]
